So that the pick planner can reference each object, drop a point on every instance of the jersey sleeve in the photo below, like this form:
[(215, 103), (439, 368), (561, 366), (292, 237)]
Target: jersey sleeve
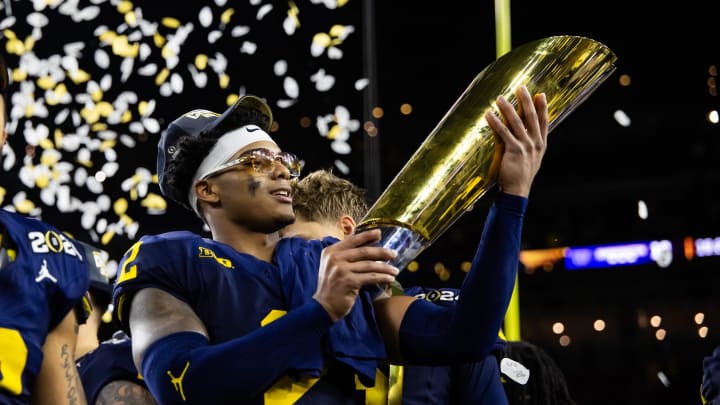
[(158, 261), (111, 361)]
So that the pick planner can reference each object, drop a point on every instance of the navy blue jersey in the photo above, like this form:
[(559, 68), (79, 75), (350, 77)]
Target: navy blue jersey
[(232, 293), (44, 278), (235, 293), (470, 383), (111, 361)]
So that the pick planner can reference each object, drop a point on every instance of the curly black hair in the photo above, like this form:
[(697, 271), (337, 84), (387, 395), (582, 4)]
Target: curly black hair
[(192, 150)]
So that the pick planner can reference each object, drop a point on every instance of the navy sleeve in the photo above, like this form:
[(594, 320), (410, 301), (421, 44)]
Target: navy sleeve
[(431, 334), (180, 367)]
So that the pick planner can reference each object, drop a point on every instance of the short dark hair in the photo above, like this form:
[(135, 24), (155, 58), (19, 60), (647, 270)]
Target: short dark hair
[(321, 195)]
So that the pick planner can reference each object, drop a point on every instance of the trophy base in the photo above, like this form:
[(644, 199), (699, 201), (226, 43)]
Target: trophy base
[(406, 243)]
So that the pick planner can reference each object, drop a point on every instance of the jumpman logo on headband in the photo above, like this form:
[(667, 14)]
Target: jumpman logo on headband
[(45, 273)]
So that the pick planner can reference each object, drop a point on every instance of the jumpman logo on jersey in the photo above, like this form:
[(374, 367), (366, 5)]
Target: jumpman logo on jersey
[(177, 381), (45, 273)]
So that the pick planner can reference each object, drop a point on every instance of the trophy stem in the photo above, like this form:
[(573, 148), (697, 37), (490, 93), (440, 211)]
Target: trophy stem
[(407, 243)]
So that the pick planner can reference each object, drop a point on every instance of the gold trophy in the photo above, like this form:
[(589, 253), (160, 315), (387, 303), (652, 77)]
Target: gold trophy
[(458, 162)]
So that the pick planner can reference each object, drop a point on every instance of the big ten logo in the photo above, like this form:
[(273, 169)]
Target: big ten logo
[(209, 254)]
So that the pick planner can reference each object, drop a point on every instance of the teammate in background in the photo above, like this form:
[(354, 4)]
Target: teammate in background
[(106, 369), (250, 318), (43, 279), (546, 383), (710, 387), (328, 205)]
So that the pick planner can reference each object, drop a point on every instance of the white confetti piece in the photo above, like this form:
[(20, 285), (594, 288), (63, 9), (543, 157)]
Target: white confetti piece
[(136, 127), (280, 67), (47, 196), (88, 218), (214, 36), (8, 159), (135, 36), (361, 84), (106, 82), (218, 63), (88, 13), (176, 83), (148, 28), (64, 202), (104, 202), (248, 48), (263, 11), (239, 31), (334, 53), (145, 51), (148, 70), (26, 177), (101, 225), (291, 87), (102, 60), (340, 147), (289, 25), (132, 230), (285, 103), (128, 141), (111, 157), (7, 22), (126, 68), (74, 49), (37, 20), (321, 123), (94, 185), (110, 168), (80, 177), (205, 16), (344, 169), (152, 125), (199, 78), (323, 82), (166, 90)]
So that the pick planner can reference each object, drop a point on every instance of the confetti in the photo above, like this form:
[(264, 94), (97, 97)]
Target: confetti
[(85, 114)]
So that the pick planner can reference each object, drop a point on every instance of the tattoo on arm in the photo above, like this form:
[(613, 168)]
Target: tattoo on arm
[(124, 393), (70, 375)]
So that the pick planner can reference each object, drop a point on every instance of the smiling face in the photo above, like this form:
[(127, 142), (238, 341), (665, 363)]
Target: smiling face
[(258, 200)]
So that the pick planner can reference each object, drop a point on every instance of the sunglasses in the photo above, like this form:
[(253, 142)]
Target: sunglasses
[(262, 161)]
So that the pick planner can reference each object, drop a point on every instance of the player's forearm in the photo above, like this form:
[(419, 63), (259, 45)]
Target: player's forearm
[(430, 334), (183, 368), (58, 381)]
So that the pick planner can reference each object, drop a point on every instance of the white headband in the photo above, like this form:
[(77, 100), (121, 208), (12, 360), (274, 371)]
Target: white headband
[(224, 149)]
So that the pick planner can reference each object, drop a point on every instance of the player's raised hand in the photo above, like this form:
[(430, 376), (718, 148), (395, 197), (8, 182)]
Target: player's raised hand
[(524, 135)]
